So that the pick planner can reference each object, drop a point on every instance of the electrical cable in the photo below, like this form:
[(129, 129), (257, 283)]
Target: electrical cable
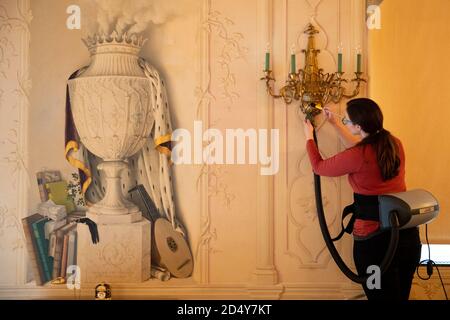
[(430, 264)]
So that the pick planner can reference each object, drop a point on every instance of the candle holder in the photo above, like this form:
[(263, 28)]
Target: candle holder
[(311, 86)]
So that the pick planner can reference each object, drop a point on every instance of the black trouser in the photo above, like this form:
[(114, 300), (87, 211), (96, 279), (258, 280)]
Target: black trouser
[(396, 281)]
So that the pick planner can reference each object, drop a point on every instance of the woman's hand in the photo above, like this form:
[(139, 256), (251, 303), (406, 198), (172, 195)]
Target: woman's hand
[(308, 129), (330, 115)]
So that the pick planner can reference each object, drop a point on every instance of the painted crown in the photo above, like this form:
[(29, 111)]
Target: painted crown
[(125, 39)]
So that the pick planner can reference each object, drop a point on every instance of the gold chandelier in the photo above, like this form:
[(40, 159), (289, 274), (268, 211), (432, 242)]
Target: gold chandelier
[(311, 86)]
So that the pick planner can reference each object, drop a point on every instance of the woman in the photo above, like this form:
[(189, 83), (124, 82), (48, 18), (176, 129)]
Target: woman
[(375, 163)]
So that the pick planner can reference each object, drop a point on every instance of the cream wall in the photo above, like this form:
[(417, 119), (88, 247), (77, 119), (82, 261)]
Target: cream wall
[(408, 77), (15, 85), (251, 235)]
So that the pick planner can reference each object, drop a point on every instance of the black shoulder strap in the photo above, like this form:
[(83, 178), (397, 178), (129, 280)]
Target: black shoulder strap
[(350, 209)]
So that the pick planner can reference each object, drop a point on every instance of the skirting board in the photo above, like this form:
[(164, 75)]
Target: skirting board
[(158, 291), (188, 289)]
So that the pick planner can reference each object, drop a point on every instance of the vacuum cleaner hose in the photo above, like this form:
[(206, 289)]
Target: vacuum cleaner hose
[(330, 245)]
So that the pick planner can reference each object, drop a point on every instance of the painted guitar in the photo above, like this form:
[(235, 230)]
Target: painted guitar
[(169, 248)]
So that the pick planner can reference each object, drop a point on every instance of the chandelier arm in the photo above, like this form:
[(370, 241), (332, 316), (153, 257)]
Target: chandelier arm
[(325, 97), (353, 94), (333, 89), (287, 93), (272, 94), (327, 100), (358, 81), (269, 88), (287, 100), (337, 96), (337, 99)]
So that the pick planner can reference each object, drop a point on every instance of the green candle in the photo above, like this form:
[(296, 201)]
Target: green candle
[(358, 59), (293, 62), (358, 63), (339, 62), (293, 66), (267, 64)]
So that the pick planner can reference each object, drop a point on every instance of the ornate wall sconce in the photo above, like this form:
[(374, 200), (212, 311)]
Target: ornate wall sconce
[(311, 86)]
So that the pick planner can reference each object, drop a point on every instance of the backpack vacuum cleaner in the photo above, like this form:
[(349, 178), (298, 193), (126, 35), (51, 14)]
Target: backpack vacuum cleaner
[(396, 211)]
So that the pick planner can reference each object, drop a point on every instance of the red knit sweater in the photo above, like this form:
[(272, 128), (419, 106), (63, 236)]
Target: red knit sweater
[(364, 176)]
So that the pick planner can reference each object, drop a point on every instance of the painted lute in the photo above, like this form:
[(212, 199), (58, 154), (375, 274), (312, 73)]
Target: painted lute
[(169, 248)]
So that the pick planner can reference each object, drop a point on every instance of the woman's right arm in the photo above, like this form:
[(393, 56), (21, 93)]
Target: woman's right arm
[(346, 137)]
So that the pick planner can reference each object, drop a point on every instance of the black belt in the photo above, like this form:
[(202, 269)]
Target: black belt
[(364, 207)]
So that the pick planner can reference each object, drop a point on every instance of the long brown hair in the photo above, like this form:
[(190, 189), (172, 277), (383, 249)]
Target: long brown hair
[(367, 114)]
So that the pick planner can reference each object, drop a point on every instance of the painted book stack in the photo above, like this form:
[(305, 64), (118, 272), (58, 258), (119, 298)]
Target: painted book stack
[(51, 246), (60, 247), (51, 236), (37, 247)]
